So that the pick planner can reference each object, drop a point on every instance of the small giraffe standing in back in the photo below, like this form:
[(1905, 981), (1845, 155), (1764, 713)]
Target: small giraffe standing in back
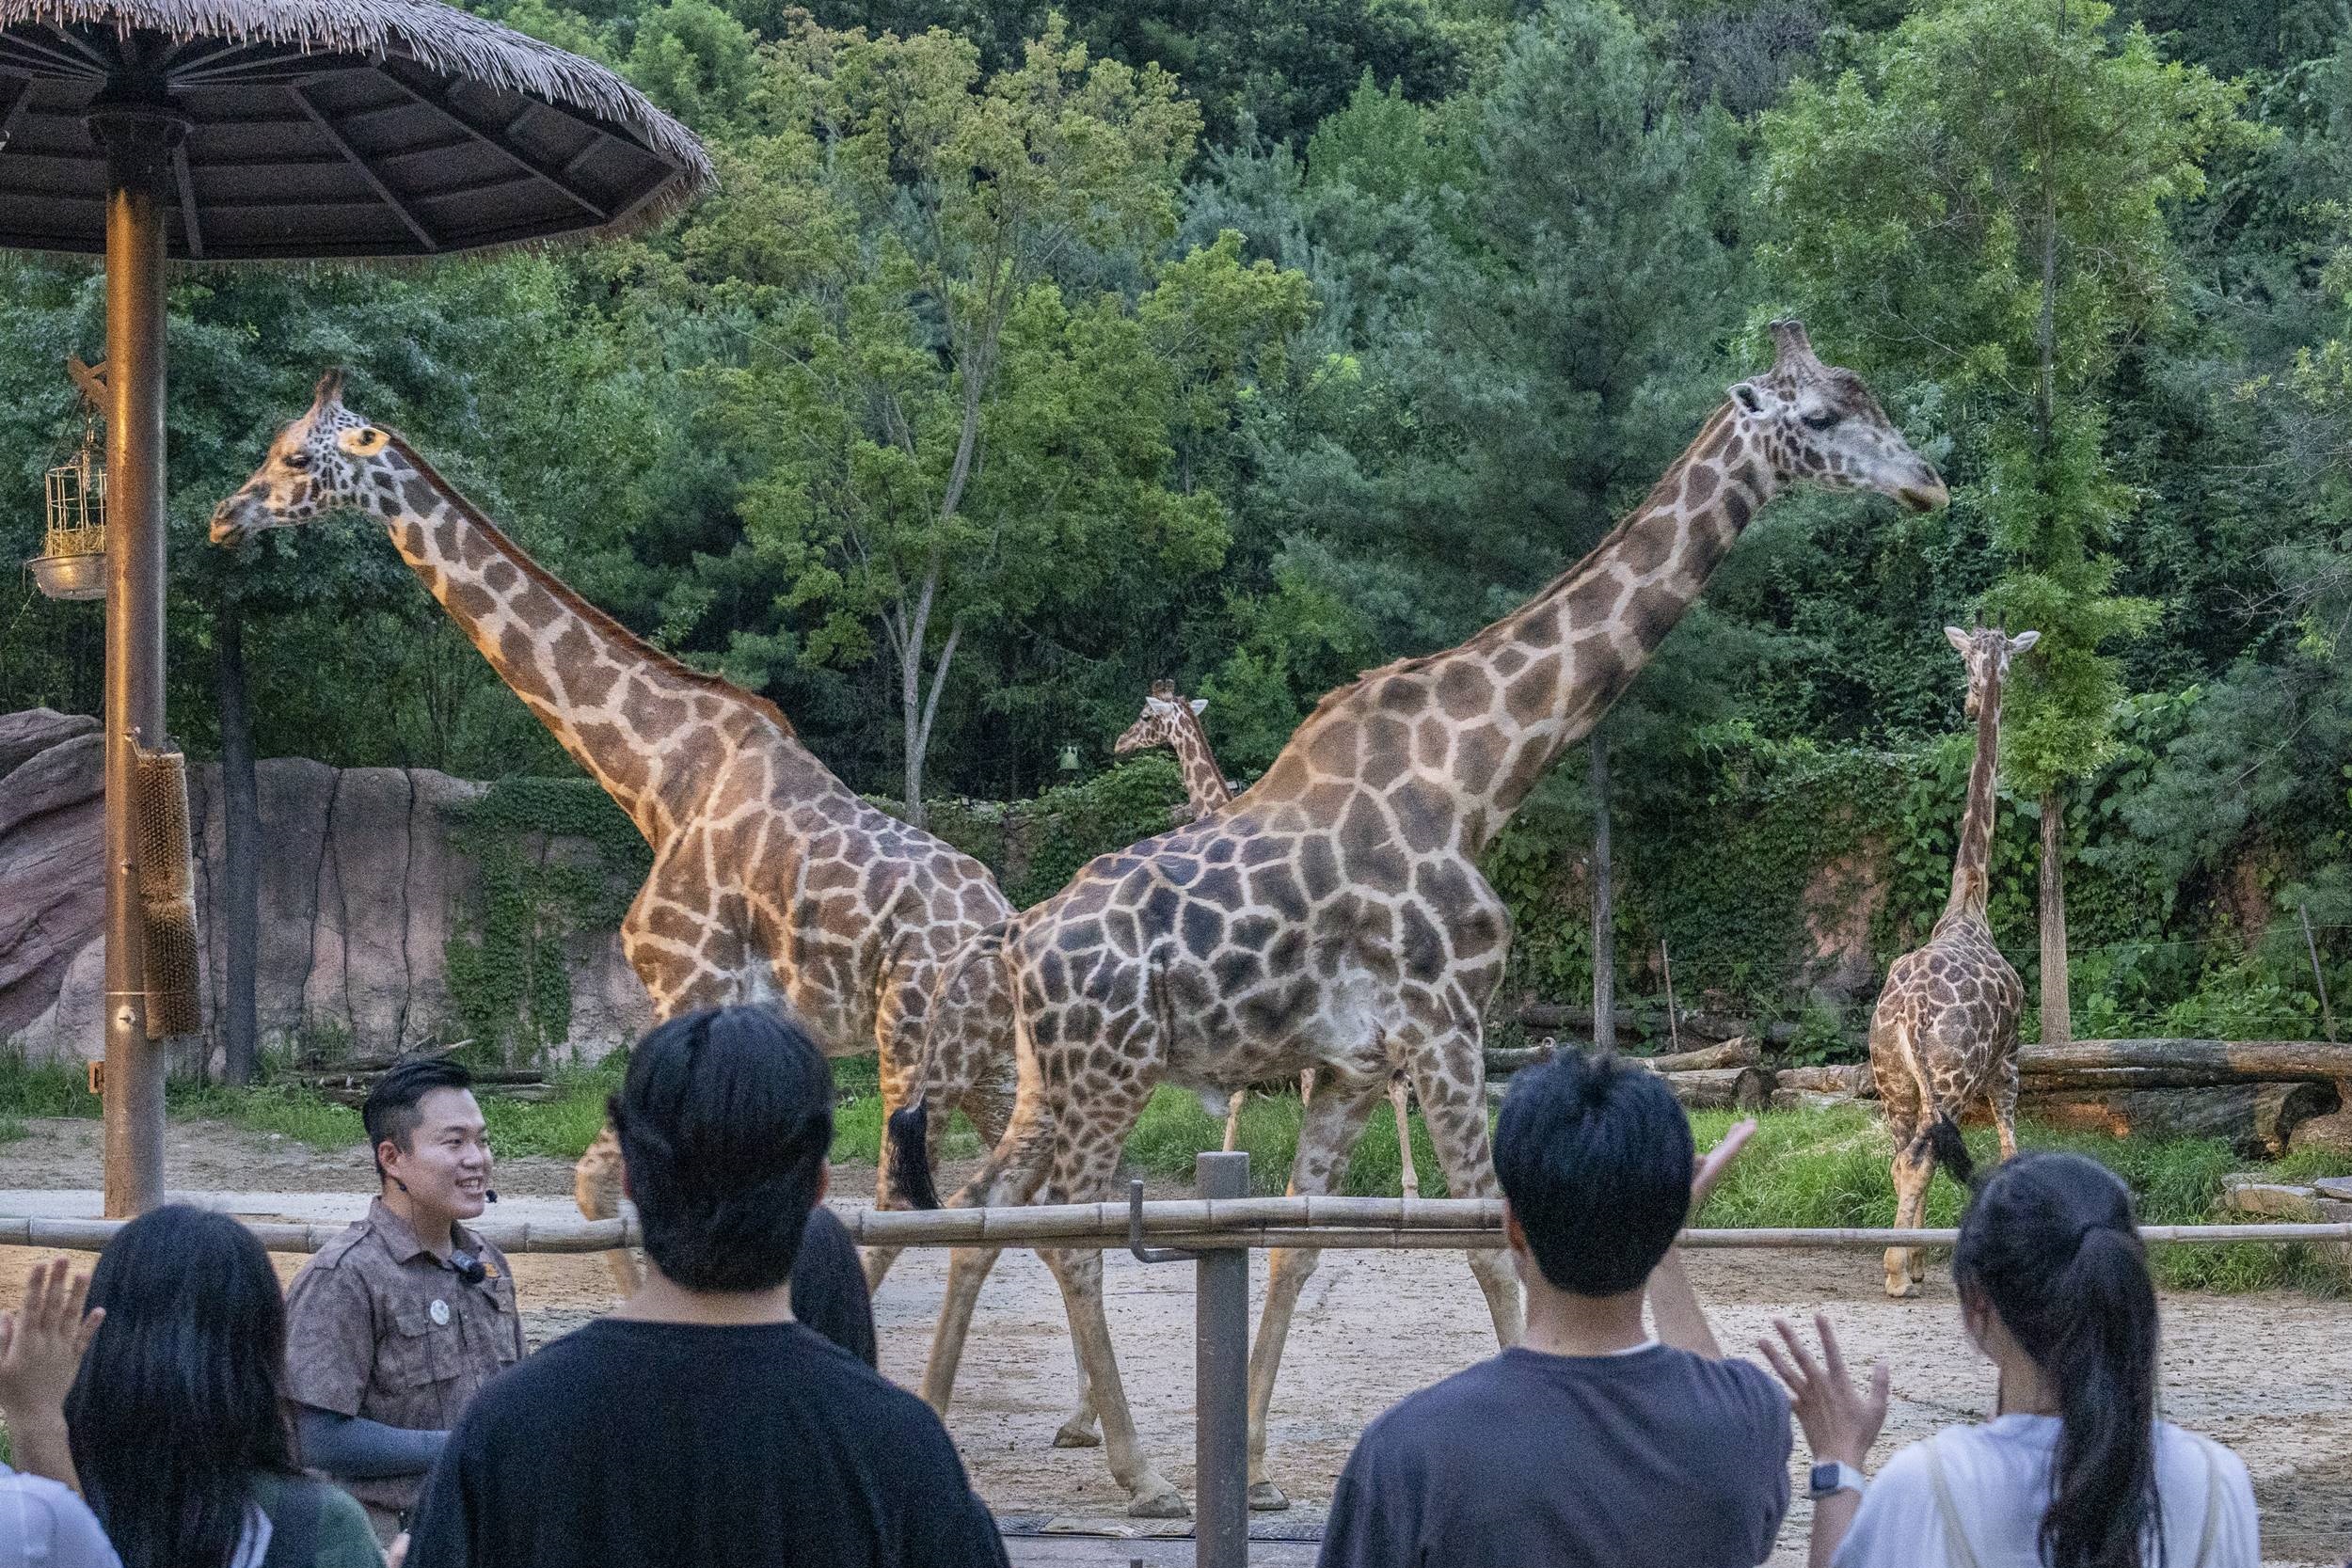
[(1944, 1036), (1175, 722)]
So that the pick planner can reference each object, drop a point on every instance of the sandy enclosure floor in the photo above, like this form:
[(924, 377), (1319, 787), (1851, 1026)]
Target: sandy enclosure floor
[(2268, 1374)]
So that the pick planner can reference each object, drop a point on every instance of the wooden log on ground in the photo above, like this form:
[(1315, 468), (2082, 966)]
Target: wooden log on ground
[(1735, 1053), (1579, 1019), (1722, 1088), (2137, 1064), (2255, 1118), (1812, 1099), (1852, 1079), (1501, 1060)]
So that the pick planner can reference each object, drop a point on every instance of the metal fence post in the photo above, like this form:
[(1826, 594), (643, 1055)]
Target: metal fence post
[(1221, 1381)]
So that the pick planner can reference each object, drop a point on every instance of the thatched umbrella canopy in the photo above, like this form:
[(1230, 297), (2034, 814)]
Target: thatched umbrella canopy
[(270, 130), (326, 128)]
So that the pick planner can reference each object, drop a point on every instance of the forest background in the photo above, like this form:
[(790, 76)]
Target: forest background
[(1026, 355)]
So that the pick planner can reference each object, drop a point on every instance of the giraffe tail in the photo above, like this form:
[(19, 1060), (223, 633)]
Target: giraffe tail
[(911, 1155), (1951, 1151)]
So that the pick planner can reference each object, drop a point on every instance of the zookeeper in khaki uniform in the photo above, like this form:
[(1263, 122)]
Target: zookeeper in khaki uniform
[(395, 1324)]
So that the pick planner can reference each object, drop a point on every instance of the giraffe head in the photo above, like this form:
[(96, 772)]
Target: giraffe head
[(1162, 721), (1819, 423), (327, 459), (1987, 651)]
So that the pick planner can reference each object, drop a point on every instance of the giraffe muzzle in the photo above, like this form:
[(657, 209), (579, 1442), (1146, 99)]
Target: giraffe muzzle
[(1925, 494), (234, 522)]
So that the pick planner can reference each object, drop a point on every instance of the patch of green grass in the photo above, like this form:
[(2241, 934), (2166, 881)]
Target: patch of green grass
[(1828, 1168), (279, 1108), (12, 1129), (49, 1089)]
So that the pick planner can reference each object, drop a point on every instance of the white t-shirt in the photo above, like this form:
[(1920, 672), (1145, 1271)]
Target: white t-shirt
[(1999, 1478), (43, 1523)]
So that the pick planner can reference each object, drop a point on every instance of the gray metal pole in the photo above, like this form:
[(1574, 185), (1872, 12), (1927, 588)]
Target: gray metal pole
[(1222, 1382), (138, 138)]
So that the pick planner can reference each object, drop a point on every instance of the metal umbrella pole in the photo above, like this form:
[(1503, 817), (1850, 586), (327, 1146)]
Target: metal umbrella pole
[(139, 140)]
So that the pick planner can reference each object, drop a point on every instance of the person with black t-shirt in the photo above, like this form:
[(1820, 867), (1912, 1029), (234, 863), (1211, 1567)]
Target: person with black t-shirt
[(699, 1423)]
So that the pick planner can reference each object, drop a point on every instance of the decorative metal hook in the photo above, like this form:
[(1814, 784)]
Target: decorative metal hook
[(1134, 1233)]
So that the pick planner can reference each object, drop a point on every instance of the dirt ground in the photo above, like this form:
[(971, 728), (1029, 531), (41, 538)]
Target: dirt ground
[(2270, 1375)]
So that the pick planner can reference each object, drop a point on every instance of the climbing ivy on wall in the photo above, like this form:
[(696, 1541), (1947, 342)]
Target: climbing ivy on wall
[(554, 858)]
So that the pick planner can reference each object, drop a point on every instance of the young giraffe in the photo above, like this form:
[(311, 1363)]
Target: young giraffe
[(1170, 720), (1334, 917), (771, 881), (1944, 1034)]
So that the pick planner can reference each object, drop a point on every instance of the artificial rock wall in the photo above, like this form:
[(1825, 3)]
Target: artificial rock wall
[(360, 889)]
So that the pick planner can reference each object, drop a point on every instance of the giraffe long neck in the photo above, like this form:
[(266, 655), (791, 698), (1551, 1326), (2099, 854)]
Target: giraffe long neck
[(1204, 782), (1478, 724), (1972, 875), (620, 707)]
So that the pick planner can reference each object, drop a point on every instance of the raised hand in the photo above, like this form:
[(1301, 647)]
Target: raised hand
[(41, 1349), (1840, 1421), (1717, 1160)]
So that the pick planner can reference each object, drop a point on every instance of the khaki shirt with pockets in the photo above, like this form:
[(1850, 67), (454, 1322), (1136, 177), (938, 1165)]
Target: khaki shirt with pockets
[(379, 1328)]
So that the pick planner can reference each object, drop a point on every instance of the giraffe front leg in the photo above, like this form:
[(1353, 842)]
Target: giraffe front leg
[(596, 1188), (1450, 1075), (1233, 1118), (1087, 1144), (1326, 1137)]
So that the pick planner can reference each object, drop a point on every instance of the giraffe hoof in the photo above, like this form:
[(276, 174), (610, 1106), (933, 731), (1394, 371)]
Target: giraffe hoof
[(1169, 1504), (1079, 1432), (1266, 1498), (1902, 1288)]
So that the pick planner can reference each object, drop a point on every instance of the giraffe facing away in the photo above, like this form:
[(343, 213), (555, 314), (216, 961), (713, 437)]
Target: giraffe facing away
[(1944, 1034), (1174, 722), (1334, 917), (771, 881)]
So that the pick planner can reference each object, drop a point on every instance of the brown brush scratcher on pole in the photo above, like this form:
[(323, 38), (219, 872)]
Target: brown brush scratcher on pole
[(168, 895)]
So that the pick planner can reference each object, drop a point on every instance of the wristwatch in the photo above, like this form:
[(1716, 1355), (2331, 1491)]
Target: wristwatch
[(1833, 1477)]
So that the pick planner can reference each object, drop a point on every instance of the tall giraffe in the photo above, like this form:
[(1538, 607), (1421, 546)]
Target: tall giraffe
[(1335, 917), (1944, 1034), (771, 881), (1173, 721)]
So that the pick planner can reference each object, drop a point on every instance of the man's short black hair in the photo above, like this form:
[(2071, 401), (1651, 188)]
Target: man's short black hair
[(1594, 1156), (390, 1113), (724, 1122)]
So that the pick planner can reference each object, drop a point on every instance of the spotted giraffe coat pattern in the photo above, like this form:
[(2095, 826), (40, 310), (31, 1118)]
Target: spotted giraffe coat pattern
[(1944, 1034), (1334, 917), (771, 881)]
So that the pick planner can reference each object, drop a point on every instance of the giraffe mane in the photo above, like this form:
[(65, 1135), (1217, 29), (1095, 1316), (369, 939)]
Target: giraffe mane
[(571, 599)]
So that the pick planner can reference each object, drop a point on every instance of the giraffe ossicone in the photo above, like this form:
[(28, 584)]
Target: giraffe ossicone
[(1944, 1033), (1334, 917), (771, 881)]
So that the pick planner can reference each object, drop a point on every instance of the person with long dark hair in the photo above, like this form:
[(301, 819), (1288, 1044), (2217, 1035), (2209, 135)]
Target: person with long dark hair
[(178, 1420), (2075, 1470)]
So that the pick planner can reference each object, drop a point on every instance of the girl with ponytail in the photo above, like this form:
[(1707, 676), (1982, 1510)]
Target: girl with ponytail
[(2075, 1470)]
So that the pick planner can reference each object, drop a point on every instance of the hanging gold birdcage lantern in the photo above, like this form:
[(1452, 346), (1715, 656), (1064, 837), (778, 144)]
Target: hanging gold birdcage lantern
[(72, 560)]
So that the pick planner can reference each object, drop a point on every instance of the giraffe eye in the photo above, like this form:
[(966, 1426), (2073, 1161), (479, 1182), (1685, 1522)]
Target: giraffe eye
[(1826, 420), (298, 460)]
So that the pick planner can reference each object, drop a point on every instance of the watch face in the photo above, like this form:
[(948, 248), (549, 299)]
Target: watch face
[(1824, 1481)]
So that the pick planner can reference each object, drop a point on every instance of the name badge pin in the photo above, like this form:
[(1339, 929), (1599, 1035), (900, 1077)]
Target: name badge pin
[(438, 1312)]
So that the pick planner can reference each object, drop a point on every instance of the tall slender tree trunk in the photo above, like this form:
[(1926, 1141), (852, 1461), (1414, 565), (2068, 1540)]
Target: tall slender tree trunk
[(241, 876), (2058, 1025), (911, 704), (1604, 926)]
